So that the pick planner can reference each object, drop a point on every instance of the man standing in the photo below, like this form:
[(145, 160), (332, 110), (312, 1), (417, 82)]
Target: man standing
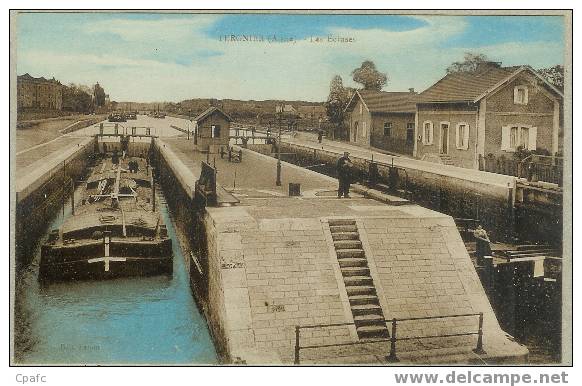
[(344, 165), (319, 136)]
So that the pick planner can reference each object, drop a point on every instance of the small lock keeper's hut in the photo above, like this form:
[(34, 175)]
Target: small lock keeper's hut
[(212, 130)]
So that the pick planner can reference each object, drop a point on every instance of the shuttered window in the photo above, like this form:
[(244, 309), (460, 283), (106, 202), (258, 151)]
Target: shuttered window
[(513, 136), (462, 136)]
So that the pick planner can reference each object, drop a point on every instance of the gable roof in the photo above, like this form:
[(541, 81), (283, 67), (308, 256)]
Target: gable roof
[(386, 102), (209, 111), (473, 86)]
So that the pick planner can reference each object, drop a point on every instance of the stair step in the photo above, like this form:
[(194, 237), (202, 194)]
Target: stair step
[(355, 290), (340, 221), (372, 332), (364, 299), (356, 271), (353, 262), (358, 280), (349, 253), (366, 320), (339, 236), (343, 228), (348, 244), (367, 309)]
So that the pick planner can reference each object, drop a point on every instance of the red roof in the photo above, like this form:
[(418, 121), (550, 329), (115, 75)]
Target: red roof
[(387, 102)]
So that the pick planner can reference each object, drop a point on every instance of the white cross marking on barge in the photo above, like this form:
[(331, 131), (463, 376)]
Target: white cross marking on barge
[(106, 259)]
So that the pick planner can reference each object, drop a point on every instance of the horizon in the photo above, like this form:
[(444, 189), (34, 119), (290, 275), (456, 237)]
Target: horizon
[(233, 56)]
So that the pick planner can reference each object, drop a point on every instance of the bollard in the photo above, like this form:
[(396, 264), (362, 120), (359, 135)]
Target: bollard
[(296, 345), (240, 155), (392, 357), (479, 348)]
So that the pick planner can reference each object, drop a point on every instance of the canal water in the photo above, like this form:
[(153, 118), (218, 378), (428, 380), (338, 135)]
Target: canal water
[(122, 321)]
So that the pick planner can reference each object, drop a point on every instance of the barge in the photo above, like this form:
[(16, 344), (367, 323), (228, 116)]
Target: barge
[(116, 231)]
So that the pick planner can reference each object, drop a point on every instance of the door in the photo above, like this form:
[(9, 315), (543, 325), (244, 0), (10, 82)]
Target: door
[(444, 138), (355, 139)]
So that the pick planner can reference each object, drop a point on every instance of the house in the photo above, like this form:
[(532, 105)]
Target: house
[(38, 93), (286, 109), (384, 120), (487, 112), (212, 129), (311, 112)]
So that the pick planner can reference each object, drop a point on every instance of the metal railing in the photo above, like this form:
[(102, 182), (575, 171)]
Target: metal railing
[(534, 167), (392, 357)]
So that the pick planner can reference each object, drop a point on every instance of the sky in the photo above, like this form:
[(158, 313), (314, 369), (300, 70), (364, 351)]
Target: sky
[(145, 57)]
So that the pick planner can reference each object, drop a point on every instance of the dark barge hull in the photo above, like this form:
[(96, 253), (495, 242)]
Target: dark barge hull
[(83, 263)]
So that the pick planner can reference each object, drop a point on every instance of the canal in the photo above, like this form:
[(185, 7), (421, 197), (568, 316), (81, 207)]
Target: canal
[(150, 320)]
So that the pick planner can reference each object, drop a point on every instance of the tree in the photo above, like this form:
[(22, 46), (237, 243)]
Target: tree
[(77, 98), (554, 75), (99, 95), (336, 101), (469, 64), (369, 77)]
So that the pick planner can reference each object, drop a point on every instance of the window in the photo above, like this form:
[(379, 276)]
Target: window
[(427, 133), (387, 129), (513, 136), (520, 95), (462, 136), (361, 109), (524, 137), (215, 131)]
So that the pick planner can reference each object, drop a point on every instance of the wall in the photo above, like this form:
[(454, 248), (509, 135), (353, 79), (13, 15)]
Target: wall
[(502, 111), (397, 141), (38, 201), (454, 114), (355, 116)]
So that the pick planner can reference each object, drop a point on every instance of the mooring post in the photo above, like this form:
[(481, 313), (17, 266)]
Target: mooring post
[(479, 348), (297, 345), (392, 356), (511, 209), (73, 196)]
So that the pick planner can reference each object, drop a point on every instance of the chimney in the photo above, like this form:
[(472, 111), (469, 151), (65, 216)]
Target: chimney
[(411, 90)]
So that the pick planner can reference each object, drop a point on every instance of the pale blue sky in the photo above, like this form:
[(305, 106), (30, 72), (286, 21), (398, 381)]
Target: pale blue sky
[(155, 57)]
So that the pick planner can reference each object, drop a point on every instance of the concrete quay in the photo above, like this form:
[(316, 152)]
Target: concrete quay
[(274, 262)]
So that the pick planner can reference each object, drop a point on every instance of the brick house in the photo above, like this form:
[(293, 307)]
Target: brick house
[(212, 128), (384, 120), (491, 111)]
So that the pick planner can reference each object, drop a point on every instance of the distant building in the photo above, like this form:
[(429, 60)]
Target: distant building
[(488, 112), (212, 129), (385, 120), (314, 112), (38, 93), (286, 109)]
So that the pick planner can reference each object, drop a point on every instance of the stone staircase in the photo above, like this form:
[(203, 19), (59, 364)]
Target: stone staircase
[(364, 302), (446, 159)]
